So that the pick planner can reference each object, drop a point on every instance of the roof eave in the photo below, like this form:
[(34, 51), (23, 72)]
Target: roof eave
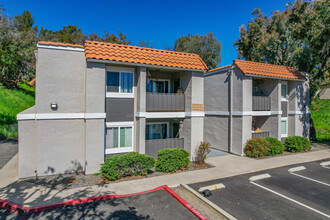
[(271, 77), (143, 65)]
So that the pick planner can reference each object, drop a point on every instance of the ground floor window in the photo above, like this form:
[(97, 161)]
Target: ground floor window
[(159, 130), (284, 127), (119, 137)]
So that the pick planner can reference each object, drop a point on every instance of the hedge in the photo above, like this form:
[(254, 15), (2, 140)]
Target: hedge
[(276, 147), (130, 164), (297, 144), (171, 160)]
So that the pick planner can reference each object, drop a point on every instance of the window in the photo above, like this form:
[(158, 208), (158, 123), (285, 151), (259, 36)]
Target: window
[(284, 128), (119, 138), (159, 86), (157, 131), (284, 91), (120, 82)]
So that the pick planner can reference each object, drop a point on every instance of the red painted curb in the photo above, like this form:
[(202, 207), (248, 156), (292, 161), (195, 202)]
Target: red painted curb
[(14, 207), (184, 203)]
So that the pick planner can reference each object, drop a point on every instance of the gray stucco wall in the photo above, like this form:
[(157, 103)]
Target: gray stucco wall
[(216, 131), (216, 92), (27, 148), (61, 80), (60, 146)]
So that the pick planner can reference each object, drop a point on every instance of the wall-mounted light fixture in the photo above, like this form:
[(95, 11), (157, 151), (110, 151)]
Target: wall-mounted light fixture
[(53, 106)]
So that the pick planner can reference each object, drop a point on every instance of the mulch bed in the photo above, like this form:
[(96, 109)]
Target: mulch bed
[(69, 181)]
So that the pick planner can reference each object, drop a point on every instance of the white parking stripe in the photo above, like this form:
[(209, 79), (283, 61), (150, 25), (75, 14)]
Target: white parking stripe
[(292, 200), (305, 177)]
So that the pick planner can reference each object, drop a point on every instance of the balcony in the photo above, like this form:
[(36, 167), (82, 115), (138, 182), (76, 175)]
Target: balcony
[(260, 134), (153, 146), (261, 103), (165, 102)]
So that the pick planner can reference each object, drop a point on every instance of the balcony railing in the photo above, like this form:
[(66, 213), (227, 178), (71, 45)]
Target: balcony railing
[(165, 102), (153, 146), (260, 134), (261, 103)]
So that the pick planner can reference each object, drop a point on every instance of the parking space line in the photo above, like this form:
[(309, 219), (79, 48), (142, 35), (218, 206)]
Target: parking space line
[(292, 200), (305, 177)]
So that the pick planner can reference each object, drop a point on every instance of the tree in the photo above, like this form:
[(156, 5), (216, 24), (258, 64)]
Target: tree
[(297, 36), (24, 21), (47, 35), (71, 34), (206, 46), (146, 44)]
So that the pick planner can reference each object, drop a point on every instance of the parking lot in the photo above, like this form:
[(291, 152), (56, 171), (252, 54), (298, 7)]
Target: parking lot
[(152, 205), (300, 191)]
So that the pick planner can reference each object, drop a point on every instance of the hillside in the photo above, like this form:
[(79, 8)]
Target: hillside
[(320, 110), (13, 101)]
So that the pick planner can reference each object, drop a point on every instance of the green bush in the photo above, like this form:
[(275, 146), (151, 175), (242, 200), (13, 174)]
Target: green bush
[(130, 164), (257, 147), (171, 160), (297, 144), (276, 147)]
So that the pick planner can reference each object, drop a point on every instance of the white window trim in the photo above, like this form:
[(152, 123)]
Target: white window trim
[(287, 91), (163, 80), (286, 120), (119, 125), (168, 127), (119, 94)]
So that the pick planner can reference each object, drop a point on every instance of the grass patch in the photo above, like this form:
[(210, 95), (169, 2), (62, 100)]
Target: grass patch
[(320, 111), (12, 102)]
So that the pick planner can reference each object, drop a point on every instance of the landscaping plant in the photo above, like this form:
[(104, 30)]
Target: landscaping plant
[(257, 147), (276, 147), (130, 164), (202, 151), (297, 144), (172, 160)]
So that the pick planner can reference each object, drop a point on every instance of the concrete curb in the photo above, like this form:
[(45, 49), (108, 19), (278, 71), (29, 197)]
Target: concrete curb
[(208, 202), (259, 177), (212, 187), (325, 163)]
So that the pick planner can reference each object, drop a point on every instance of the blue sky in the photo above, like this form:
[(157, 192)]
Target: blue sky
[(160, 22)]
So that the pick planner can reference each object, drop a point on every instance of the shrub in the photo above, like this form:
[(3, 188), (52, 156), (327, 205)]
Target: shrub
[(202, 151), (171, 160), (257, 147), (297, 144), (129, 164), (276, 147)]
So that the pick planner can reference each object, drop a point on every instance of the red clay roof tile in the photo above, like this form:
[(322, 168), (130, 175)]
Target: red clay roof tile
[(269, 70), (141, 55)]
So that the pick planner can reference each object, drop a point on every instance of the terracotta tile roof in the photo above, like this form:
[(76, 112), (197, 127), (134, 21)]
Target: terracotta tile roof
[(219, 68), (141, 55), (60, 44), (270, 70)]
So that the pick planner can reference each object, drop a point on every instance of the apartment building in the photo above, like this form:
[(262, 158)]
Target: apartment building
[(101, 99), (250, 99)]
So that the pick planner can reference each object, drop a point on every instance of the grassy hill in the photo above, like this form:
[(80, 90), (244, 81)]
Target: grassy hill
[(13, 101), (320, 110)]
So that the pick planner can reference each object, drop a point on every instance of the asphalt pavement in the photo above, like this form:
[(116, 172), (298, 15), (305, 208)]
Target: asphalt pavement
[(302, 194)]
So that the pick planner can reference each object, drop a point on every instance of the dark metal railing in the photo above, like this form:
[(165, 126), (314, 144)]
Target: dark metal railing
[(261, 103), (165, 102)]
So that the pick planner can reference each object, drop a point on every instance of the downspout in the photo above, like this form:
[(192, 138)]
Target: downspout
[(231, 111)]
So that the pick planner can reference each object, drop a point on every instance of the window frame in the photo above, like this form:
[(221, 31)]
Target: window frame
[(119, 70), (163, 80), (286, 129), (120, 125), (167, 129), (286, 91)]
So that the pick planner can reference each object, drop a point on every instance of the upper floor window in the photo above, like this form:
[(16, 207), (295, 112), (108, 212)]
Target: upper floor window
[(120, 82), (158, 86), (284, 90)]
